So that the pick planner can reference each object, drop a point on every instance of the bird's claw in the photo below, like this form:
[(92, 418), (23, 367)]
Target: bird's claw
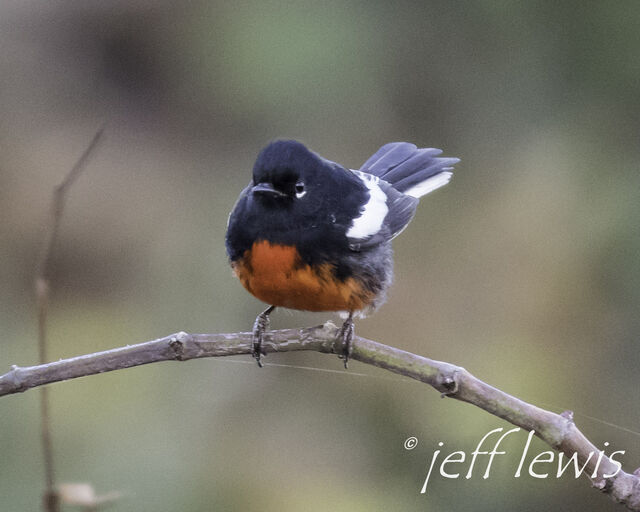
[(259, 327), (346, 337)]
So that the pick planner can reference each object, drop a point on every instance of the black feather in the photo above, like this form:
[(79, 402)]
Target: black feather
[(419, 160), (403, 165), (387, 157), (436, 166)]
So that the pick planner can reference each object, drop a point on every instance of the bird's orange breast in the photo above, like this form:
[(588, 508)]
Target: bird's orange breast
[(276, 274)]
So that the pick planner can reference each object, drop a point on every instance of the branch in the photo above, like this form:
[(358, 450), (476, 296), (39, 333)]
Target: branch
[(557, 430), (51, 498)]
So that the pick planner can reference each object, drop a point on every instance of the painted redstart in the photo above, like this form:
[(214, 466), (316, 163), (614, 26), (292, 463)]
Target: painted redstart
[(310, 234)]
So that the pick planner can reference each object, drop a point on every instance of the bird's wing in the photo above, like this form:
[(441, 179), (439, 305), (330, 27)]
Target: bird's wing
[(396, 175), (385, 214)]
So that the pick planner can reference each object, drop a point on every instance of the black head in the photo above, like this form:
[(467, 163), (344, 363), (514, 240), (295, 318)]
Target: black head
[(290, 180), (284, 171), (288, 176)]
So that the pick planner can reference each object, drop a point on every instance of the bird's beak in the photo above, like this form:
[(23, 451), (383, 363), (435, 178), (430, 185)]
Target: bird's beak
[(266, 188)]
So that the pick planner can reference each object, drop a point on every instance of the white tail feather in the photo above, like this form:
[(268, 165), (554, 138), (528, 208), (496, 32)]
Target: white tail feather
[(429, 185)]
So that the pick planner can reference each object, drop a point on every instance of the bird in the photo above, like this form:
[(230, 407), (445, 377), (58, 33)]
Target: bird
[(310, 234)]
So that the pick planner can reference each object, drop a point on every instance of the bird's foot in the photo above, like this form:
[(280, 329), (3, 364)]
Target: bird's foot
[(259, 327), (346, 336)]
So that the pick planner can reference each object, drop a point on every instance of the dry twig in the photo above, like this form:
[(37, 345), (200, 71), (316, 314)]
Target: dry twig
[(559, 431), (51, 498)]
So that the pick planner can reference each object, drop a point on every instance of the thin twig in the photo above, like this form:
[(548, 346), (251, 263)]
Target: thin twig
[(50, 498), (557, 430)]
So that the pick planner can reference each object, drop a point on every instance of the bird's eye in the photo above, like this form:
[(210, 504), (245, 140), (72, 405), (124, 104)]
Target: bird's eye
[(300, 191)]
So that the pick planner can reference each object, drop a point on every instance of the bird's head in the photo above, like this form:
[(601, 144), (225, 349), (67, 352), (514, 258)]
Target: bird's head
[(285, 171)]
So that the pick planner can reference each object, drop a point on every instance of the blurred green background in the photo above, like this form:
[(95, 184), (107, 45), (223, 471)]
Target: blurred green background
[(524, 270)]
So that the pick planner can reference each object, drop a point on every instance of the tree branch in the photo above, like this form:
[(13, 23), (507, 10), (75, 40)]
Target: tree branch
[(557, 430), (51, 498)]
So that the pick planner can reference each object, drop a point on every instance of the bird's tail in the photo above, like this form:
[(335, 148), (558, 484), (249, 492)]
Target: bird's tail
[(414, 172)]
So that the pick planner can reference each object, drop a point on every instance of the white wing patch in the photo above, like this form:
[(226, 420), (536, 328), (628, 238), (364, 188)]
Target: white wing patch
[(373, 212), (429, 185)]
